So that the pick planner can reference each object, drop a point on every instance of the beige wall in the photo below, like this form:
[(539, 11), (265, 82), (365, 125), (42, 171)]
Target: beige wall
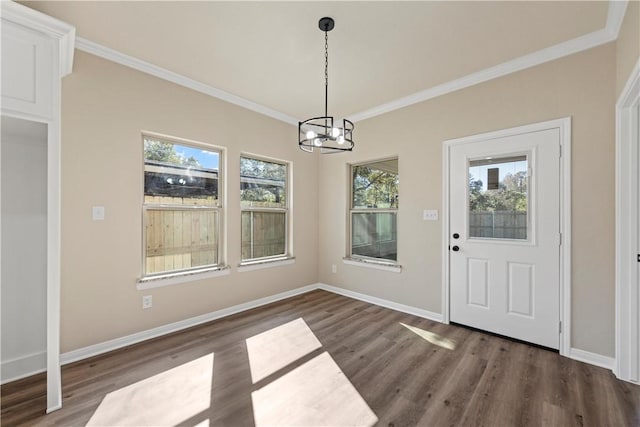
[(627, 45), (581, 86), (105, 107)]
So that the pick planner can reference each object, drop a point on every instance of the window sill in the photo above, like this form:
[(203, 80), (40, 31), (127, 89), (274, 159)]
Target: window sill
[(267, 263), (378, 265), (169, 279)]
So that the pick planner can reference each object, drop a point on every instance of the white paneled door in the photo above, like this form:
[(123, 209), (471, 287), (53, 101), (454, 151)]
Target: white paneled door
[(504, 207)]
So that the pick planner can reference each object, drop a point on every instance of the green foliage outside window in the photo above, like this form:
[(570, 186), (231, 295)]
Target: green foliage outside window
[(161, 151), (263, 183), (374, 187), (510, 196)]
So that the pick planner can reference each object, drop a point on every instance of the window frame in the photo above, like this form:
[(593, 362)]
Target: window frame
[(287, 255), (363, 259), (219, 207)]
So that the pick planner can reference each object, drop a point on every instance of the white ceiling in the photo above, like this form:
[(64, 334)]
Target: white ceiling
[(272, 53)]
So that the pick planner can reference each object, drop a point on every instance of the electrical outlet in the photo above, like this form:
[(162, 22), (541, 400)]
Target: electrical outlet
[(147, 302), (97, 213), (334, 269)]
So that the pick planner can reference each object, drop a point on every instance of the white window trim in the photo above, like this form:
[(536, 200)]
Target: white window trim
[(271, 261), (373, 263), (261, 263), (148, 281), (351, 259), (161, 280)]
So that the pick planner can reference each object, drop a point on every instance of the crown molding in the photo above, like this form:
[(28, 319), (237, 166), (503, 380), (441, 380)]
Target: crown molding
[(615, 16), (162, 73)]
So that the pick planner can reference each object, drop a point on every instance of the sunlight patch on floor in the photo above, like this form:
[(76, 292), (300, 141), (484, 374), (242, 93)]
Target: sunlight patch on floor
[(432, 337), (276, 348), (316, 393), (168, 398)]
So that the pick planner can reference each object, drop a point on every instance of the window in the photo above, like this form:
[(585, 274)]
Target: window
[(182, 209), (374, 208), (264, 202), (498, 205)]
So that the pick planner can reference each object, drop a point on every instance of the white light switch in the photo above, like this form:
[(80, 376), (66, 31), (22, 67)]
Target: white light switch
[(430, 215), (98, 213)]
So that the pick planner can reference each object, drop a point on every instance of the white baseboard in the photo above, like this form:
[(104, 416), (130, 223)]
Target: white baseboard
[(592, 358), (437, 317), (22, 367), (94, 350)]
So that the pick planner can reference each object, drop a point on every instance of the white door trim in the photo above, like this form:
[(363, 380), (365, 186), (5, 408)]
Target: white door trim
[(62, 36), (627, 361), (564, 125)]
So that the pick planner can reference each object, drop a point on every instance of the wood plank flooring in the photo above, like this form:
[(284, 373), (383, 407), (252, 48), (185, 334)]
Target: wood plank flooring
[(324, 359)]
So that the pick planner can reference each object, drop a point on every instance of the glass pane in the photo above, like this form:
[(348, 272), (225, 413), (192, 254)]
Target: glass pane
[(375, 185), (263, 234), (179, 175), (180, 239), (498, 198), (373, 235), (262, 183)]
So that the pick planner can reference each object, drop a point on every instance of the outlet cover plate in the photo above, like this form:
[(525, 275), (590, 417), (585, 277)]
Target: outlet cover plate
[(97, 213), (430, 215), (147, 302)]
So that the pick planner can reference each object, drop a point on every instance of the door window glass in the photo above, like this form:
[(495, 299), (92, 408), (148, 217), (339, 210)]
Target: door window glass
[(499, 198)]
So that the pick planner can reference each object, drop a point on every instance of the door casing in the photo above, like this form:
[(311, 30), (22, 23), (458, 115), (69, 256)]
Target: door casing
[(627, 363), (564, 126)]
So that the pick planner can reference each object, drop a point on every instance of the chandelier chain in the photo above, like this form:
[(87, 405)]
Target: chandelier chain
[(326, 75), (326, 58)]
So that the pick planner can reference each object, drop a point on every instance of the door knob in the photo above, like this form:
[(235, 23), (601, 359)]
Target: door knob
[(456, 236), (455, 248)]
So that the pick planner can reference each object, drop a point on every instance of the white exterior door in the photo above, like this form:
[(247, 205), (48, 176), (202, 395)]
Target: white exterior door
[(504, 213)]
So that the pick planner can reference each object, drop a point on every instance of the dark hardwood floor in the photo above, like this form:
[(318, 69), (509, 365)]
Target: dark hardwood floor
[(323, 359)]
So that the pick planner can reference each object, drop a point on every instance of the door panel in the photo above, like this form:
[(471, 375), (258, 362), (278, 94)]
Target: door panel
[(521, 289), (504, 267), (478, 293)]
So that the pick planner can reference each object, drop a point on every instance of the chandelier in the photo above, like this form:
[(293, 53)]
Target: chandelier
[(319, 132)]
